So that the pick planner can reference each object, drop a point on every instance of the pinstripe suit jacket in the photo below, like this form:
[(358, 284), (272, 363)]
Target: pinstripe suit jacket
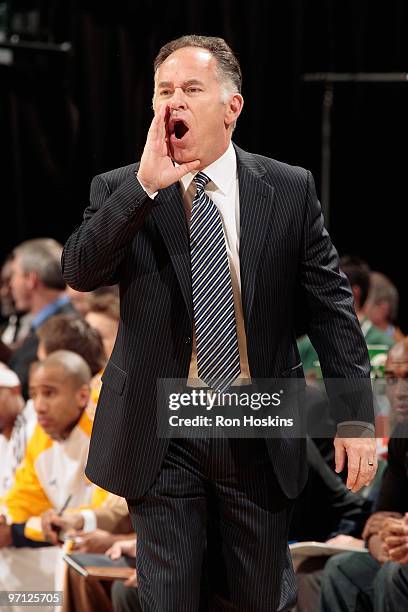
[(285, 256)]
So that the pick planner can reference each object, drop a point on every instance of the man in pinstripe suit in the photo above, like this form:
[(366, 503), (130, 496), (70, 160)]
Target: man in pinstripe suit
[(135, 232)]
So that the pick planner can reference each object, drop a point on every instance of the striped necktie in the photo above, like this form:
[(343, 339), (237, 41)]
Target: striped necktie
[(214, 317)]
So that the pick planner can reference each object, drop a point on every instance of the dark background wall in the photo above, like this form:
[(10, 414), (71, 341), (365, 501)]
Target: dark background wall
[(64, 119)]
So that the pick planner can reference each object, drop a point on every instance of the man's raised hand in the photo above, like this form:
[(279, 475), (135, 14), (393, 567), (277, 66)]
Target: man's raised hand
[(156, 170)]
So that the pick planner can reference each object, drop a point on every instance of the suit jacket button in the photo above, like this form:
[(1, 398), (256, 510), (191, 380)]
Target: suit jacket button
[(131, 208), (187, 340)]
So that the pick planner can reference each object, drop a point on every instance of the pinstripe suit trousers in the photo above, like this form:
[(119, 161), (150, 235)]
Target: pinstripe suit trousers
[(225, 488)]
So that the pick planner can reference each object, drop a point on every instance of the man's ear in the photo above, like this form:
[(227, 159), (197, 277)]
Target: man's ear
[(357, 296), (233, 109), (33, 279), (83, 395)]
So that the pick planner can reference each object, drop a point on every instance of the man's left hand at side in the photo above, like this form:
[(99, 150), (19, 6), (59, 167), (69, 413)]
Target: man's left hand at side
[(361, 456)]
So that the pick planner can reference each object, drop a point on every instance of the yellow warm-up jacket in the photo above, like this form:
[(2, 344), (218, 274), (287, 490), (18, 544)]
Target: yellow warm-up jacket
[(51, 473)]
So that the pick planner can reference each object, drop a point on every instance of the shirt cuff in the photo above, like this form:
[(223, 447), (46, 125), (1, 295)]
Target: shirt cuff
[(20, 540), (89, 520), (151, 195), (355, 429)]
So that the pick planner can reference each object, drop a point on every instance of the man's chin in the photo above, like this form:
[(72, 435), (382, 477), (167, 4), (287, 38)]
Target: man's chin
[(51, 432), (181, 155)]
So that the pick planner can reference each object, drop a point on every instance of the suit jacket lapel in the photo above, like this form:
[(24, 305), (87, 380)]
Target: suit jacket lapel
[(170, 219), (255, 201)]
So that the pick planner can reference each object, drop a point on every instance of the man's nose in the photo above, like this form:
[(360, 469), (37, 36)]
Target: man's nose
[(177, 100), (40, 405)]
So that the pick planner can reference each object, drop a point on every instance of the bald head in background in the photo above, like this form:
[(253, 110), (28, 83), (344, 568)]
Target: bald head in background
[(59, 388), (73, 365)]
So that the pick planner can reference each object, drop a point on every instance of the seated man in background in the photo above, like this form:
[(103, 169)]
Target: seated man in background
[(52, 472), (73, 333), (381, 307), (379, 580), (358, 274), (17, 422), (39, 289)]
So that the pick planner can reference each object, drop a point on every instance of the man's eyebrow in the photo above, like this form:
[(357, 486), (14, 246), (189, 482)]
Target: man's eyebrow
[(193, 82), (45, 386), (185, 83)]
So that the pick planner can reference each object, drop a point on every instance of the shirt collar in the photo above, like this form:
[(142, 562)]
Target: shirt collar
[(48, 311), (221, 172)]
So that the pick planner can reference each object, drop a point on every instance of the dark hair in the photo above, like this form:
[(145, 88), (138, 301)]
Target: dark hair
[(73, 333), (227, 64), (358, 273)]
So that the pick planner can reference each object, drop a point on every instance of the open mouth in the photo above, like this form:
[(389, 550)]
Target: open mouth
[(179, 129)]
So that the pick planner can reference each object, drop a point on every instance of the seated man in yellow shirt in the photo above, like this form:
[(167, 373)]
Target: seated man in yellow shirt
[(51, 475)]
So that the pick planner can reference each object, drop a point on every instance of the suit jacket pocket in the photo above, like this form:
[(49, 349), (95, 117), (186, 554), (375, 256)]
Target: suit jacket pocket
[(114, 377)]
